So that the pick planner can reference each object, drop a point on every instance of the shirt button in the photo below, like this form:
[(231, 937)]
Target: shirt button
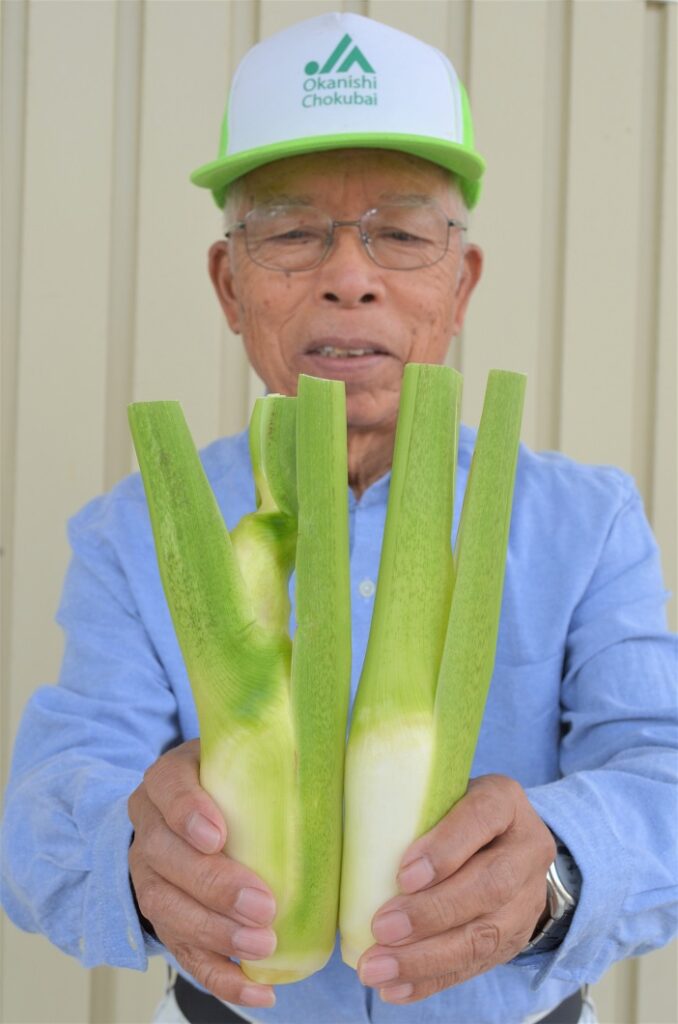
[(366, 588)]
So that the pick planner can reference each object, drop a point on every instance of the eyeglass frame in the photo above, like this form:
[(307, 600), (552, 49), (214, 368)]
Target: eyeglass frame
[(241, 225)]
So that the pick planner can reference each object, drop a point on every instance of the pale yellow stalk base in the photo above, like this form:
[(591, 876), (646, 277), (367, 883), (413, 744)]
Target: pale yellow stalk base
[(250, 776), (386, 780), (280, 970)]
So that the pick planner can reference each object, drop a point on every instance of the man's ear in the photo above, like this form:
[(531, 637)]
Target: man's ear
[(471, 269), (221, 274)]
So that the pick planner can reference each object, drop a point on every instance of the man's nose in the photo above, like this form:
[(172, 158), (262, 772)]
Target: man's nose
[(349, 277)]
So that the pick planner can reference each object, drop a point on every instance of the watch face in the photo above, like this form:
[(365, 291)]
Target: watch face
[(563, 885)]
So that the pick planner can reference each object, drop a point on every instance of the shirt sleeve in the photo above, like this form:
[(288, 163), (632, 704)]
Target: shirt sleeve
[(81, 749), (615, 806)]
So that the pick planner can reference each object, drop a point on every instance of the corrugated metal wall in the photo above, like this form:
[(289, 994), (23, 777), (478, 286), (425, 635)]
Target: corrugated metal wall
[(106, 109)]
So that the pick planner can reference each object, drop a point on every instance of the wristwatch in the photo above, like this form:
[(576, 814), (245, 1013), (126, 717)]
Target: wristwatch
[(563, 885)]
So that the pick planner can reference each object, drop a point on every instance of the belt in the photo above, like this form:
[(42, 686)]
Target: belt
[(201, 1008)]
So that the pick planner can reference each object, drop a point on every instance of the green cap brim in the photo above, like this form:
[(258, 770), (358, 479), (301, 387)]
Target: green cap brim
[(461, 160)]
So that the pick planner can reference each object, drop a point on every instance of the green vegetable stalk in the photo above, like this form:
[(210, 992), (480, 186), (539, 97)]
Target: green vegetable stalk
[(272, 711), (432, 641)]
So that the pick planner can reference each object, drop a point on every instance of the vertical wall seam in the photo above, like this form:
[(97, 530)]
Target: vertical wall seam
[(466, 75), (467, 48), (240, 24), (13, 80), (646, 252), (122, 272), (549, 356), (558, 362), (652, 305), (455, 353), (254, 386), (245, 21), (123, 237)]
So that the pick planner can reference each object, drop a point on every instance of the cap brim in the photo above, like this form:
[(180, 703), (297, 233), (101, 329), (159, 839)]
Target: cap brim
[(461, 160)]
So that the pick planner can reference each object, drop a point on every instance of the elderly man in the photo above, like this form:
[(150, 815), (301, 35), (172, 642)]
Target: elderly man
[(554, 863)]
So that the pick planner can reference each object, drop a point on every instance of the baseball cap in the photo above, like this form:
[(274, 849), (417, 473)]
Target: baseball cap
[(341, 81)]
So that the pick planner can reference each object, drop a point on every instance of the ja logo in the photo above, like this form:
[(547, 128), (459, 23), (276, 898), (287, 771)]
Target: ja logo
[(354, 56)]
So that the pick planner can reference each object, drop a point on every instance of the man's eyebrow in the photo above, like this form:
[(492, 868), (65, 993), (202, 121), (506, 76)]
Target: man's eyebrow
[(409, 197), (282, 199)]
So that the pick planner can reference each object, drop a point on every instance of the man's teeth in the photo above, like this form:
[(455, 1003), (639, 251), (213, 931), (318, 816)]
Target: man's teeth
[(342, 353)]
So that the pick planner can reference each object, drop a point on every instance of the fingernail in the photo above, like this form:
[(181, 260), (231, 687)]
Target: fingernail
[(416, 875), (256, 904), (395, 992), (379, 969), (254, 941), (203, 833), (253, 995), (391, 927)]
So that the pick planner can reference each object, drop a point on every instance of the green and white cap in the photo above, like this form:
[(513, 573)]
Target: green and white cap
[(342, 81)]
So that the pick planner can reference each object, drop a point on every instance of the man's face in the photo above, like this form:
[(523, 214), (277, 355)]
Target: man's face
[(290, 320)]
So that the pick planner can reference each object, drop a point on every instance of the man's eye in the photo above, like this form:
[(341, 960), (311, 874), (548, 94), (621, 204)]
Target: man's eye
[(400, 236), (294, 235)]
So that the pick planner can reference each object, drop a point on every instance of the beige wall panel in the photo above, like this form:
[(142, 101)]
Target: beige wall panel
[(426, 19), (178, 322), (63, 308), (275, 16), (41, 985), (61, 386), (553, 241), (604, 222), (240, 385), (504, 327), (615, 995), (647, 271), (657, 986), (126, 997), (136, 995), (123, 237)]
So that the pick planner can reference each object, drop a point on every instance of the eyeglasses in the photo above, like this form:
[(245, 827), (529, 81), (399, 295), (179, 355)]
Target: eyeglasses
[(400, 236)]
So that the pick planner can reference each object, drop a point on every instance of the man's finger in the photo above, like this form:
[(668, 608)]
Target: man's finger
[(214, 880), (223, 978), (483, 813), (179, 919), (454, 956), (173, 785), (484, 884)]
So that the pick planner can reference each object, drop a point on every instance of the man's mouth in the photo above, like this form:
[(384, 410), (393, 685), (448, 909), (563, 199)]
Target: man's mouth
[(349, 359), (345, 348), (344, 353)]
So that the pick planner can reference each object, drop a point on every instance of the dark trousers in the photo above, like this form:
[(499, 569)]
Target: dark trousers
[(201, 1008)]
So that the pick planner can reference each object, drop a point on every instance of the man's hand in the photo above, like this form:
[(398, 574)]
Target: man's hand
[(203, 906), (473, 889)]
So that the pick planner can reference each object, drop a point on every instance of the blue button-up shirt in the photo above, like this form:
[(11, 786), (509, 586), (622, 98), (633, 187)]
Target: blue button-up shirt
[(581, 711)]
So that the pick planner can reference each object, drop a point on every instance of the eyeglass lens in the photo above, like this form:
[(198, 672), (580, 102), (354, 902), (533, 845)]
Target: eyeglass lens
[(398, 237)]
